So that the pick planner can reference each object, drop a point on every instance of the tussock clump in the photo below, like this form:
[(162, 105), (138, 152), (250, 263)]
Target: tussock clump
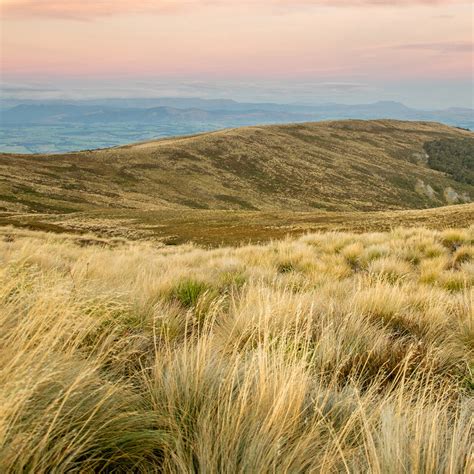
[(464, 254), (188, 292), (374, 252), (431, 268), (329, 353), (455, 280), (390, 268), (352, 253), (286, 267), (380, 301), (454, 238), (232, 280)]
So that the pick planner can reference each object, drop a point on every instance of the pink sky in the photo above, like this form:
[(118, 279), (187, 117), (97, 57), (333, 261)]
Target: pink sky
[(348, 41)]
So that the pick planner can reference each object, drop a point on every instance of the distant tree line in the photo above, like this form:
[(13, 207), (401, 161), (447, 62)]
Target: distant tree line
[(454, 156)]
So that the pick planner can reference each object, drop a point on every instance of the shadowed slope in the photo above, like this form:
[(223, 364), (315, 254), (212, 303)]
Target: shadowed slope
[(214, 228)]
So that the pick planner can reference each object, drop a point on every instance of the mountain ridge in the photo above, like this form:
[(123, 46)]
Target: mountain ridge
[(31, 111)]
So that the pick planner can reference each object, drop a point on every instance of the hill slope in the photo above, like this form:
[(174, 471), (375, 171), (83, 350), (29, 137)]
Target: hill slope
[(340, 166)]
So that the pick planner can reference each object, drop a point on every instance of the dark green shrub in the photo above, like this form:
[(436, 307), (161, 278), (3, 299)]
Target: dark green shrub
[(454, 156)]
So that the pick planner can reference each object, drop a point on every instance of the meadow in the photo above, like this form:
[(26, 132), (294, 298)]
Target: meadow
[(327, 352)]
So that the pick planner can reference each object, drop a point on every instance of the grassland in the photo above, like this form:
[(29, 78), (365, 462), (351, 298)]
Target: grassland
[(270, 299), (330, 166), (214, 228), (330, 352)]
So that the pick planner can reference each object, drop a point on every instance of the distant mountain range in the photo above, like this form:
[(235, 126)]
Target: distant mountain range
[(158, 110), (59, 114), (60, 126)]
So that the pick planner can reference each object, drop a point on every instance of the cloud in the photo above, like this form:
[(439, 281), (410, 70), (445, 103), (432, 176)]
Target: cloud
[(362, 3), (89, 9), (439, 47), (257, 90), (17, 89)]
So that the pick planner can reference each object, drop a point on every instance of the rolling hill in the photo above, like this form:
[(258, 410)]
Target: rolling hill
[(339, 166), (280, 179)]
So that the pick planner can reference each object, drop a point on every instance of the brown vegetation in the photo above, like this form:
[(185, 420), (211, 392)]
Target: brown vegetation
[(213, 228)]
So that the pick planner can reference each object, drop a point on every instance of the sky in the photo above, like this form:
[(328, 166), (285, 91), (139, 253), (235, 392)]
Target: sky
[(419, 52)]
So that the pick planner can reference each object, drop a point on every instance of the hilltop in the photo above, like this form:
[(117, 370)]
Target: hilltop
[(338, 166)]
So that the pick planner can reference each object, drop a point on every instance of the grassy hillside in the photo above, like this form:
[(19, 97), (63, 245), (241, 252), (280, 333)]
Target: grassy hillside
[(333, 352), (339, 166)]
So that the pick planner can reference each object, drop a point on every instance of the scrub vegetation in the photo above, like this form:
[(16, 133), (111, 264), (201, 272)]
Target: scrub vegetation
[(453, 156)]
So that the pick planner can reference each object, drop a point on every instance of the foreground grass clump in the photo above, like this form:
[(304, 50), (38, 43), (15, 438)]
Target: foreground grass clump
[(334, 352), (187, 292)]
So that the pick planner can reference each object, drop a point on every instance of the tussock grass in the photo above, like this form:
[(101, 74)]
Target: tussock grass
[(334, 352), (188, 292)]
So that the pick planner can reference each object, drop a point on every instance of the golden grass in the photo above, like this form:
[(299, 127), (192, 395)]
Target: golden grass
[(333, 352)]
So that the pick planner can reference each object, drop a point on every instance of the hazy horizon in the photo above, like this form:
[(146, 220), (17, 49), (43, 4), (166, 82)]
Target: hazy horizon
[(419, 53)]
